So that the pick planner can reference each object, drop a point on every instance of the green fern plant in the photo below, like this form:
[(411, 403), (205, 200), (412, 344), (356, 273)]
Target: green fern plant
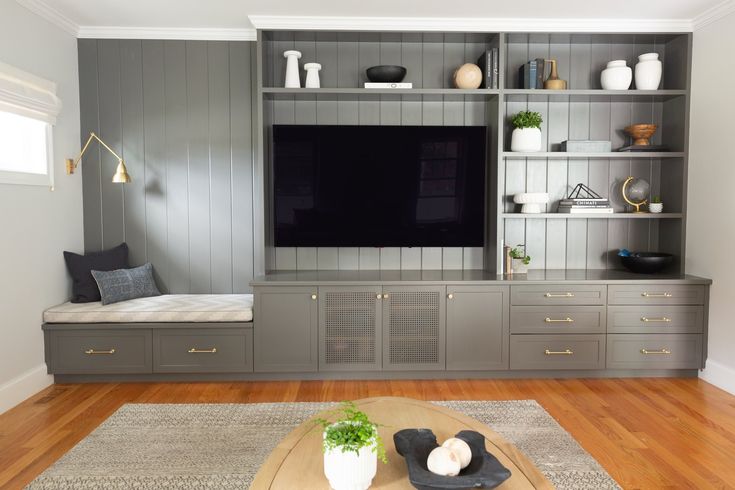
[(351, 430), (519, 252), (527, 119)]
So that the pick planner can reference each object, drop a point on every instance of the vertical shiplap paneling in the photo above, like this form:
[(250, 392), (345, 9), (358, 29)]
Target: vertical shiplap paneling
[(390, 54), (305, 107), (327, 55), (368, 55), (369, 258), (453, 107), (177, 164), (110, 130), (390, 258), (197, 95), (154, 136), (433, 76), (410, 258), (348, 68), (327, 258), (89, 119), (349, 258), (243, 238), (286, 258), (133, 151), (306, 258), (220, 161), (411, 58), (452, 258)]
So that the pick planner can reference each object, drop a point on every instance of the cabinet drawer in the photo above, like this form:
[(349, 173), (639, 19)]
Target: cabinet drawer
[(558, 295), (203, 351), (655, 319), (557, 352), (643, 351), (655, 294), (557, 319), (100, 351)]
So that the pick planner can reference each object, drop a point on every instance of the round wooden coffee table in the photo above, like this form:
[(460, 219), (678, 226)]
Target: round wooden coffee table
[(297, 461)]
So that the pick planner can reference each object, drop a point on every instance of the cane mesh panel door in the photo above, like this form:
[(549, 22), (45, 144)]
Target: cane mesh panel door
[(414, 328), (350, 329)]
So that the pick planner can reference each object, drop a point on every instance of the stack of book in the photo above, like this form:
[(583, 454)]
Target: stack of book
[(531, 74), (585, 205), (488, 63)]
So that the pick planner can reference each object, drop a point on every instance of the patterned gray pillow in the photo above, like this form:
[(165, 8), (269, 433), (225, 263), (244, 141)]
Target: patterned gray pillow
[(124, 284)]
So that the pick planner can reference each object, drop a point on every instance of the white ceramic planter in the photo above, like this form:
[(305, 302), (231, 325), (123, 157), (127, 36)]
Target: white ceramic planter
[(312, 75), (519, 267), (532, 201), (617, 76), (292, 69), (656, 207), (648, 72), (525, 140), (350, 470)]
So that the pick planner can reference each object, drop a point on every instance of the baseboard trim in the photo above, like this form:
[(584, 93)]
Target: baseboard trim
[(21, 387), (719, 375)]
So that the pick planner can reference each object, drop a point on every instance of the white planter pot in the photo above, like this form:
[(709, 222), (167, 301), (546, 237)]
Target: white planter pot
[(525, 140), (519, 267), (350, 470), (656, 207), (312, 74), (648, 72), (617, 76), (532, 201), (292, 69)]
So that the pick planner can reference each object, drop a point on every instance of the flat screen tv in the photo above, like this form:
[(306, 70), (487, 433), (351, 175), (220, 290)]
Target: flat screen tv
[(379, 186)]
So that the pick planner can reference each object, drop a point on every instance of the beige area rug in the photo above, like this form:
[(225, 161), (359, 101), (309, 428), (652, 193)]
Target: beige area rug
[(221, 446)]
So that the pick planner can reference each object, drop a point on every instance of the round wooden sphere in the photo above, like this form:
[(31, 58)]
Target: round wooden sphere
[(468, 76)]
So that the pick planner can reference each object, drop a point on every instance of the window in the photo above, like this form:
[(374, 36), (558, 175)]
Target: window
[(28, 110)]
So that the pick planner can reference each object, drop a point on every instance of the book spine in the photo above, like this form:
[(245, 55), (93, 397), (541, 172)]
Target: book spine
[(532, 74), (495, 55), (540, 65), (484, 63)]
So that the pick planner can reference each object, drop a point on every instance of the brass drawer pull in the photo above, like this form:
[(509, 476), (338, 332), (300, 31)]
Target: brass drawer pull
[(559, 295), (92, 352), (450, 296), (560, 320), (567, 352), (378, 296), (662, 319), (385, 296), (657, 295), (193, 350), (647, 352)]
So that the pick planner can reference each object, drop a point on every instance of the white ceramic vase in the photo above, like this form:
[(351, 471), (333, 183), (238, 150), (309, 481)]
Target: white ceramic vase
[(312, 74), (617, 76), (656, 207), (350, 470), (292, 69), (525, 140), (648, 72)]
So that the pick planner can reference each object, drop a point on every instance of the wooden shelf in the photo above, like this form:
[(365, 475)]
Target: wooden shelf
[(593, 216), (620, 95), (276, 91), (615, 155)]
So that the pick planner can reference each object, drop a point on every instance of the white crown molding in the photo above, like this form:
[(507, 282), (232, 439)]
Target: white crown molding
[(180, 33), (44, 10), (713, 14), (308, 23)]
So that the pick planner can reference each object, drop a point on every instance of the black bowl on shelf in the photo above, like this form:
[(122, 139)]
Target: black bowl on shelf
[(646, 262), (386, 73), (484, 470)]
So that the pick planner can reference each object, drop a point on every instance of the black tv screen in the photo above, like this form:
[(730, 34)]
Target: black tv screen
[(379, 186)]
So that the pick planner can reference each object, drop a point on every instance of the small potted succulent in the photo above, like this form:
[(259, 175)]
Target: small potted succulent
[(352, 447), (520, 260), (656, 206), (526, 136)]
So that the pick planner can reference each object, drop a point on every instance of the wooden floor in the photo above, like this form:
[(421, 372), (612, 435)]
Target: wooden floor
[(647, 433)]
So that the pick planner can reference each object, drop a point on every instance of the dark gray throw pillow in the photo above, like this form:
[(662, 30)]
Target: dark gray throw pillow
[(84, 289), (125, 284)]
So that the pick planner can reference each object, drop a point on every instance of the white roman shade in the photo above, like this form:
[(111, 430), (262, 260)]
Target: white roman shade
[(28, 95)]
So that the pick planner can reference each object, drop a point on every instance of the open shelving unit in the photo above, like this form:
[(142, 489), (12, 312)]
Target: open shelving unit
[(584, 111)]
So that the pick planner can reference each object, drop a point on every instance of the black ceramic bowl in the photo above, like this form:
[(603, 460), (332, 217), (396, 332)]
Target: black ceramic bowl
[(646, 262), (484, 470), (386, 73)]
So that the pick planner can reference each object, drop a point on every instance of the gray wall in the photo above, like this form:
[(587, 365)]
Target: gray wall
[(179, 113)]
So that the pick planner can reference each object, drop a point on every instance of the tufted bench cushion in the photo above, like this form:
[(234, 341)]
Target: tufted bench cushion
[(165, 308)]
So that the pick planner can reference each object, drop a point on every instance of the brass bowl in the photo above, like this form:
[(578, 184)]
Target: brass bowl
[(641, 133)]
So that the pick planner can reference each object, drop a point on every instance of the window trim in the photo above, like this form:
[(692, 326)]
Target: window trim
[(27, 178)]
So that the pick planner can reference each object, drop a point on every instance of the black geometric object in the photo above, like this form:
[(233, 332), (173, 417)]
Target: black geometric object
[(484, 470), (588, 193), (646, 262), (386, 73), (644, 148)]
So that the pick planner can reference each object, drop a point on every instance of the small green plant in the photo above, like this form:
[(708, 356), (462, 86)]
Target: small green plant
[(656, 200), (527, 119), (351, 431), (519, 252)]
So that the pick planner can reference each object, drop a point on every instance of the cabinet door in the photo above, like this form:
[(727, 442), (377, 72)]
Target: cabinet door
[(285, 329), (477, 327), (414, 332), (350, 328)]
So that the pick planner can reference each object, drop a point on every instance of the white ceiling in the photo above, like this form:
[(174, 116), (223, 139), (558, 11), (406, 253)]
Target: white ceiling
[(234, 14)]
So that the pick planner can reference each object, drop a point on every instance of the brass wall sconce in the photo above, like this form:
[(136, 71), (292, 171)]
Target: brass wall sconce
[(121, 174)]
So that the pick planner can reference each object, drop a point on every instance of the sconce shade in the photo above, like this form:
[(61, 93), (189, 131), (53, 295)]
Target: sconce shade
[(121, 174)]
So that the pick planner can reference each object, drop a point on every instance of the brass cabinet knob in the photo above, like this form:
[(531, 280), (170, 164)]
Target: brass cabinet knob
[(313, 296), (450, 296), (385, 296), (378, 296)]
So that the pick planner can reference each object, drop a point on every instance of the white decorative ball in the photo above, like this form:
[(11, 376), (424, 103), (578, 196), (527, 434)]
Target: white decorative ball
[(443, 461), (461, 449)]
